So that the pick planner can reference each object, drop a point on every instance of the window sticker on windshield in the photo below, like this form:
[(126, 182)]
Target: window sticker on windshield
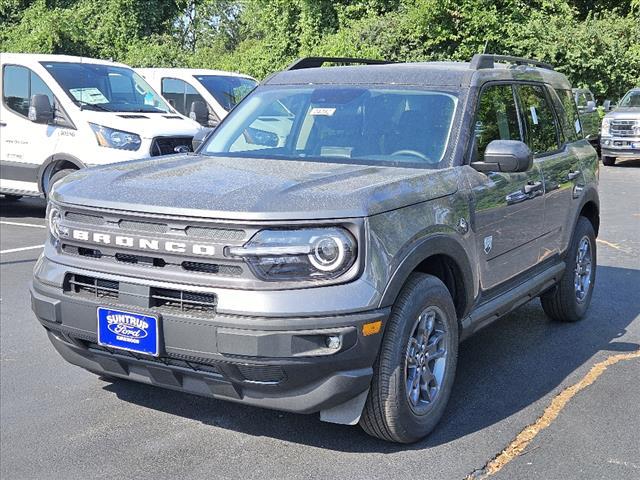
[(534, 115), (577, 125), (327, 112), (88, 95)]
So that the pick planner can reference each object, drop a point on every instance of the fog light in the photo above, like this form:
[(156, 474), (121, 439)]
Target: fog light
[(333, 342)]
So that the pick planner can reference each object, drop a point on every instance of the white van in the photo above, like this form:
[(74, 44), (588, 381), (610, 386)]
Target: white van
[(203, 95), (61, 113)]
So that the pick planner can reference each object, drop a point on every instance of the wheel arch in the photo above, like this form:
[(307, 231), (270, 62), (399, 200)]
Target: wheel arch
[(55, 163), (443, 256)]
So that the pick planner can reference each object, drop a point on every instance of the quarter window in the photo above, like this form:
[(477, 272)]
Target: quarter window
[(567, 113), (541, 133), (19, 84), (496, 118)]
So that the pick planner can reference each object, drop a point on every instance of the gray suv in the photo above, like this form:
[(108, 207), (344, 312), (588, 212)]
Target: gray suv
[(332, 242)]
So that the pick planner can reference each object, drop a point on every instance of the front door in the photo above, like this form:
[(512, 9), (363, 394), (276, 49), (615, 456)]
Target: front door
[(509, 207)]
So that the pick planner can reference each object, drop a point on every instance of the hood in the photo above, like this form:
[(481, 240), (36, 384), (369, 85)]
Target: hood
[(252, 189), (628, 113), (147, 125)]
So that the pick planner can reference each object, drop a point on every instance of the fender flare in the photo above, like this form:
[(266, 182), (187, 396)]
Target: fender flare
[(438, 244), (56, 158)]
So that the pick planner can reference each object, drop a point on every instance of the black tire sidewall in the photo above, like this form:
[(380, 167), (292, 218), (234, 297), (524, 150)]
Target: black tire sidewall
[(424, 291), (578, 309), (59, 175)]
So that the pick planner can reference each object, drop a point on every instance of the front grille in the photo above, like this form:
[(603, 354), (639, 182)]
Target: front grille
[(183, 302), (162, 299), (167, 145), (140, 259), (143, 226), (213, 268), (91, 287), (84, 218), (623, 128), (219, 234), (262, 373)]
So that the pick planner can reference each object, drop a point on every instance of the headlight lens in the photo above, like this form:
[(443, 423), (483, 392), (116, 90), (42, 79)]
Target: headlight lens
[(298, 255), (606, 125), (53, 222), (111, 138)]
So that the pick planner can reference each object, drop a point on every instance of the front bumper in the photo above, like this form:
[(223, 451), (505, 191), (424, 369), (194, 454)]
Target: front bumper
[(620, 147), (279, 363)]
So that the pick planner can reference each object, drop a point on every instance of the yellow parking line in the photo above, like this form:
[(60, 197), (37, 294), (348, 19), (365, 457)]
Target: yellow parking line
[(609, 244), (526, 436)]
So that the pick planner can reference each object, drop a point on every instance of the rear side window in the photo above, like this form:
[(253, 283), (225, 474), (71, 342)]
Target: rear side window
[(19, 84), (496, 117), (567, 111), (180, 94), (541, 129)]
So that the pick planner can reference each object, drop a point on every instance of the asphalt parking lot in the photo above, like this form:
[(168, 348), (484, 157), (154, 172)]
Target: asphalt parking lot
[(58, 421)]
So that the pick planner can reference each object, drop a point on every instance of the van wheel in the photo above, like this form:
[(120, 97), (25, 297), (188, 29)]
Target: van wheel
[(569, 301), (608, 161), (415, 369), (59, 175)]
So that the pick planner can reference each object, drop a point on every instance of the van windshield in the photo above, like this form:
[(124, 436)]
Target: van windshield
[(341, 124), (106, 87), (228, 91)]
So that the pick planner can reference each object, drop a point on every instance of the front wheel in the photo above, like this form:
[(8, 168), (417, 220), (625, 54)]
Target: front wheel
[(570, 299), (608, 161), (415, 369)]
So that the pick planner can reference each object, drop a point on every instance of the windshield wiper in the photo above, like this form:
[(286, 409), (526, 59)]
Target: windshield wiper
[(95, 106)]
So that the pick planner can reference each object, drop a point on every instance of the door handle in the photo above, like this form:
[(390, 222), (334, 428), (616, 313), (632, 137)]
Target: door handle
[(574, 174), (532, 188)]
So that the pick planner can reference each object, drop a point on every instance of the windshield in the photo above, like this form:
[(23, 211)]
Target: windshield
[(631, 99), (228, 91), (400, 127), (106, 88)]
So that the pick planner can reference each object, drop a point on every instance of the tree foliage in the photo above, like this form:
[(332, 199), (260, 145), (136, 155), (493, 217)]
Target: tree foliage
[(597, 44)]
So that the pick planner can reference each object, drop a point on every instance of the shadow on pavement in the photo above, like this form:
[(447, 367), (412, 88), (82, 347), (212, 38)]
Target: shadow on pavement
[(26, 207), (501, 370), (627, 163)]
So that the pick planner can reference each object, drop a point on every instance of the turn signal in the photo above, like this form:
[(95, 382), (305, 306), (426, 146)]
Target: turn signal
[(371, 328)]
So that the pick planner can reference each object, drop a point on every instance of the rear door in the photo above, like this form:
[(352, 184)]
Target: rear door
[(545, 135), (509, 207)]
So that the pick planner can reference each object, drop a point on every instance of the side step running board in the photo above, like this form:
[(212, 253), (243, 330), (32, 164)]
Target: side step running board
[(490, 311)]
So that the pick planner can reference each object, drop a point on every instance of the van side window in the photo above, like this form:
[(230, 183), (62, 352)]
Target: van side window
[(19, 84), (496, 118), (565, 106), (15, 89), (541, 134), (180, 94)]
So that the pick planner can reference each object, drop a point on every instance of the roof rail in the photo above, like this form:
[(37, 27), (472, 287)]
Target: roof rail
[(313, 62), (486, 60)]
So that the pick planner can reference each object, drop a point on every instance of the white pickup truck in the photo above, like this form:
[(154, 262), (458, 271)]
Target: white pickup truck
[(620, 136)]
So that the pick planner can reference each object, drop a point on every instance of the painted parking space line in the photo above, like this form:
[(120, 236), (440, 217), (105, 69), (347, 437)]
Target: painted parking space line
[(20, 224), (21, 249)]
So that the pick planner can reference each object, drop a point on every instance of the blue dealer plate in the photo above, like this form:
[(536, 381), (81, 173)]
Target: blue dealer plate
[(128, 331)]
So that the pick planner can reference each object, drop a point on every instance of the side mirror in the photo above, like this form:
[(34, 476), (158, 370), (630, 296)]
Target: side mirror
[(40, 110), (505, 156), (608, 105), (591, 106), (200, 137), (199, 112)]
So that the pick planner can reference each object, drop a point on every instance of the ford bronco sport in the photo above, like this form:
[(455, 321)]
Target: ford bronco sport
[(334, 263)]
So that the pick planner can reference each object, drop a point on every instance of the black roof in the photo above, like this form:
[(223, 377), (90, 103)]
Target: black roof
[(443, 74)]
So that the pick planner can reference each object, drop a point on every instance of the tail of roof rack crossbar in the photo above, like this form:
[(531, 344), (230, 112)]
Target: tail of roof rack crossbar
[(313, 62), (485, 60)]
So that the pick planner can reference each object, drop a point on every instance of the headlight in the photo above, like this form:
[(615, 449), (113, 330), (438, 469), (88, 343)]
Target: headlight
[(606, 126), (306, 254), (53, 222), (108, 137)]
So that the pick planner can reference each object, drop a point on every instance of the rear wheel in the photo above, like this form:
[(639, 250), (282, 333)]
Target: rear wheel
[(415, 369), (570, 299), (608, 161)]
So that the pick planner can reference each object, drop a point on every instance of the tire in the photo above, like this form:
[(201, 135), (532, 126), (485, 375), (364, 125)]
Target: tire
[(12, 198), (389, 413), (608, 161), (59, 175), (566, 302)]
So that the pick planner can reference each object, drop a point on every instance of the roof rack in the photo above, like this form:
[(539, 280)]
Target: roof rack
[(313, 62), (485, 60)]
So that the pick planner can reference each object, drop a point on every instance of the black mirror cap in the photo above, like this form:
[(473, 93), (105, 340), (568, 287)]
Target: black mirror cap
[(40, 109), (199, 112), (200, 137), (509, 156)]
